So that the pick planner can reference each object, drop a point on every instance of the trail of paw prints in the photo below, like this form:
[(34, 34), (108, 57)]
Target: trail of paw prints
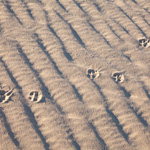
[(118, 76), (144, 42), (35, 96), (5, 95), (92, 74)]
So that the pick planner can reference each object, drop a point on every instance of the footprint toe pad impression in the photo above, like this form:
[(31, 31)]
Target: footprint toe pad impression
[(118, 77), (144, 43), (5, 95), (91, 73), (35, 96)]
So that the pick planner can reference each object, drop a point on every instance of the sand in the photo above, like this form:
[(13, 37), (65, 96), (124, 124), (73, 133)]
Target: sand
[(74, 75)]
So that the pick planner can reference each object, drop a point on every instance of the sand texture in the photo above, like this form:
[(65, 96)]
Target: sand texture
[(74, 75)]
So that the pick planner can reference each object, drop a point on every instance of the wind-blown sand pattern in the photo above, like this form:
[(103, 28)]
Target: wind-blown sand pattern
[(46, 50)]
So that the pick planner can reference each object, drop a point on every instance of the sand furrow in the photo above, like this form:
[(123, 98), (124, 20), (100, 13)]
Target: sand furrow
[(61, 5), (94, 40), (58, 93), (121, 109), (73, 76), (37, 12), (7, 136), (136, 19), (22, 127), (124, 19), (10, 10), (29, 11), (138, 97), (146, 67), (21, 11), (25, 89), (94, 106)]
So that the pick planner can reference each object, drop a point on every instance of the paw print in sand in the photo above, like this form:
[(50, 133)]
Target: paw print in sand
[(118, 77), (5, 95), (35, 96), (144, 43), (91, 73)]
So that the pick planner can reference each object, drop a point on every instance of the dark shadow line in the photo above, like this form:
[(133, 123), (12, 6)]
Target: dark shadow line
[(114, 118), (114, 32), (10, 75), (129, 4), (134, 1), (60, 4), (39, 41), (67, 55), (132, 21), (120, 26), (76, 35), (79, 6), (147, 11), (110, 27), (101, 93), (11, 11), (28, 10), (40, 2), (30, 13), (107, 42), (139, 116), (76, 145), (142, 15), (73, 31), (29, 112), (146, 92), (146, 21), (36, 127), (77, 93), (10, 133), (120, 128), (127, 57), (98, 8), (126, 93), (98, 136), (25, 108), (44, 88)]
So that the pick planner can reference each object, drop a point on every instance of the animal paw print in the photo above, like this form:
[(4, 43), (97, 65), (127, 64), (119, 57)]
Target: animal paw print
[(144, 43), (5, 95), (35, 96), (118, 77), (91, 73)]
